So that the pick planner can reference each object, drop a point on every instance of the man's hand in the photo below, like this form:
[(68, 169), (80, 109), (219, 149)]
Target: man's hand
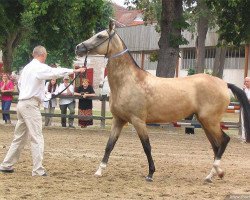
[(80, 70)]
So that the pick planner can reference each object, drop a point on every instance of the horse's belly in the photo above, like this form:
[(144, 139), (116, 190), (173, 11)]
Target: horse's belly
[(168, 113)]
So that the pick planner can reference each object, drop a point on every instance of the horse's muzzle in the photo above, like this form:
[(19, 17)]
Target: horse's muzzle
[(80, 50)]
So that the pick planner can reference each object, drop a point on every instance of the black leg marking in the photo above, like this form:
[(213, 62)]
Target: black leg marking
[(109, 147), (222, 147), (147, 149)]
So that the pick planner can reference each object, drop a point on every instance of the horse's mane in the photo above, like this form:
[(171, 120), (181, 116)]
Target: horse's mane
[(125, 46)]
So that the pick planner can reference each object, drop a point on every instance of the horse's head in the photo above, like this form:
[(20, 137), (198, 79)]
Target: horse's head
[(101, 43)]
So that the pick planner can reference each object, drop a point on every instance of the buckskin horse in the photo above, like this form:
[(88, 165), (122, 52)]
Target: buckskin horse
[(138, 97)]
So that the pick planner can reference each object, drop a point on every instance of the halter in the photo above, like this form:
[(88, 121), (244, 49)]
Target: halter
[(109, 39), (118, 54)]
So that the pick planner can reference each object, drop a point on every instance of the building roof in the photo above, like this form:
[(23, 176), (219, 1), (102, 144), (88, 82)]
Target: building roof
[(125, 17)]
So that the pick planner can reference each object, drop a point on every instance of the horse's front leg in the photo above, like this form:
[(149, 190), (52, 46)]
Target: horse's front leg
[(117, 125), (142, 132)]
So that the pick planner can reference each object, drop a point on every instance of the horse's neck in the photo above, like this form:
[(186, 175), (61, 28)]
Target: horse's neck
[(122, 70), (119, 67)]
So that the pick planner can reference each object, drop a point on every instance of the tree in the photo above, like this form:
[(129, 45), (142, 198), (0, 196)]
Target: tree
[(58, 25), (67, 23), (169, 14), (13, 28), (171, 20), (233, 20), (201, 18), (219, 61), (233, 27), (202, 28)]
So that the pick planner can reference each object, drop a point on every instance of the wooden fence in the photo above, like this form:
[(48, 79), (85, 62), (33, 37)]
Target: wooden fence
[(232, 108), (102, 116)]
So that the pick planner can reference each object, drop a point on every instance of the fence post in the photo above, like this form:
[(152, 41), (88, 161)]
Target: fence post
[(103, 111)]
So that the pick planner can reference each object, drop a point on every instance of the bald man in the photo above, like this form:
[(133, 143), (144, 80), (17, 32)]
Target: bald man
[(31, 86), (246, 88)]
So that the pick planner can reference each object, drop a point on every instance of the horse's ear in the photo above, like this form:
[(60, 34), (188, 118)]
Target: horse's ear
[(111, 25)]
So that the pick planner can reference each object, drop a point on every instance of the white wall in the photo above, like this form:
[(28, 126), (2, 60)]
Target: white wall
[(98, 63)]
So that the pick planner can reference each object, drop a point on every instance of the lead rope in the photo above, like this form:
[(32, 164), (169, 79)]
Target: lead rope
[(71, 82)]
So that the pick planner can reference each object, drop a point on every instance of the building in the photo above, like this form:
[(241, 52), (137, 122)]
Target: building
[(142, 40), (124, 17)]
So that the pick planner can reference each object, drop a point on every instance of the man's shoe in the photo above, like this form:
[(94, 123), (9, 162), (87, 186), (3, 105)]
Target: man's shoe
[(6, 169), (45, 174), (71, 126)]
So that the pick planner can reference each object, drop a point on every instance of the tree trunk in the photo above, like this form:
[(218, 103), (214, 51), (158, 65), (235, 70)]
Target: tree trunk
[(169, 53), (10, 44), (7, 57), (219, 61), (202, 28)]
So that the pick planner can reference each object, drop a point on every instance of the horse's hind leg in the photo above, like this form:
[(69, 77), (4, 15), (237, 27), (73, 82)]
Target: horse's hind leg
[(141, 130), (219, 141), (117, 125)]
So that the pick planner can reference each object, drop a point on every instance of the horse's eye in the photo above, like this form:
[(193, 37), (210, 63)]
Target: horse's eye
[(100, 36)]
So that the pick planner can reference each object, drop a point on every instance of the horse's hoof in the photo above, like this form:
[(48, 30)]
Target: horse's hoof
[(98, 174), (221, 174), (149, 179), (208, 180)]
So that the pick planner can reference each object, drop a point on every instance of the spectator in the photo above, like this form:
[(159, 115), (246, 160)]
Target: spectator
[(246, 88), (29, 125), (67, 102), (7, 87), (49, 104), (85, 104)]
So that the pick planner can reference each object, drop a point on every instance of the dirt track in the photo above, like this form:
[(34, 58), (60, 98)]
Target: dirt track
[(72, 157)]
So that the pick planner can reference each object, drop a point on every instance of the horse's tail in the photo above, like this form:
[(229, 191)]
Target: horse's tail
[(242, 98)]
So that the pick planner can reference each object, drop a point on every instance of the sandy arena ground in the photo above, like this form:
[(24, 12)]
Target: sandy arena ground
[(72, 157)]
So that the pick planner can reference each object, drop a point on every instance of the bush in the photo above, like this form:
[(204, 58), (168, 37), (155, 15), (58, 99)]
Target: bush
[(191, 71)]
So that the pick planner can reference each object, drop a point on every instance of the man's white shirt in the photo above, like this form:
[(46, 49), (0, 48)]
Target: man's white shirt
[(32, 79)]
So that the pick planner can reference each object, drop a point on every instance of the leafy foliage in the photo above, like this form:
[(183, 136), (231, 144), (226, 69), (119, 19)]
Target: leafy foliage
[(66, 23), (191, 71), (233, 20), (10, 18), (153, 57), (58, 25), (22, 55)]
